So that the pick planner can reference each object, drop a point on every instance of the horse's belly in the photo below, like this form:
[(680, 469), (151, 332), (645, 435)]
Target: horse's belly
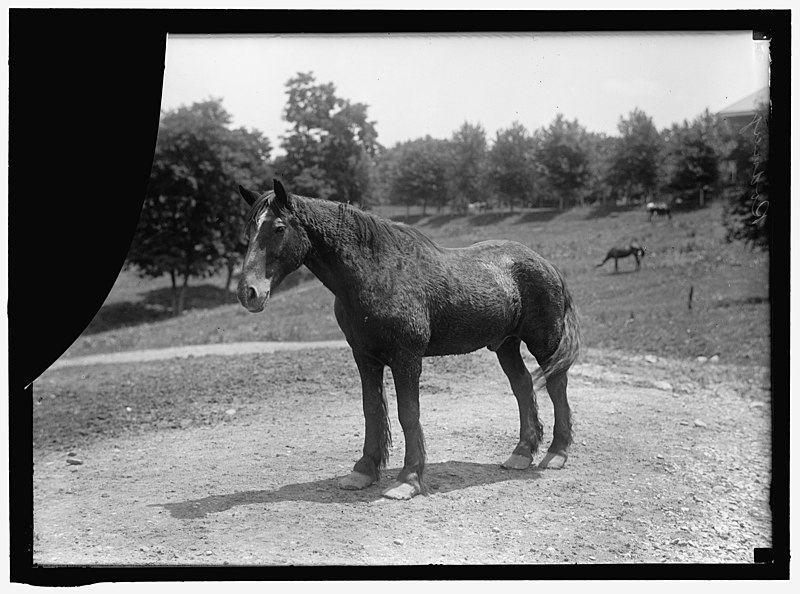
[(449, 346), (483, 320), (453, 344)]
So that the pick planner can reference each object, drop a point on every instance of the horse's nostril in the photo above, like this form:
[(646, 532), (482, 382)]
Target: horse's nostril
[(251, 294)]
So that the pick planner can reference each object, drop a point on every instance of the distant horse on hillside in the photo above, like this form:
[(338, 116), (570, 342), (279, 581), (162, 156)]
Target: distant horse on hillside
[(634, 249), (401, 297), (659, 209), (476, 207)]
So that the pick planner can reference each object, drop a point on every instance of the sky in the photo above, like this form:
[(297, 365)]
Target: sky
[(417, 85)]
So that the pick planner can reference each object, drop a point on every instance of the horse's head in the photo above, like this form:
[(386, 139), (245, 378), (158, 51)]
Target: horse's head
[(640, 249), (277, 245)]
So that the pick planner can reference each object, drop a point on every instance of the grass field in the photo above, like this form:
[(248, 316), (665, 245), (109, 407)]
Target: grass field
[(641, 312)]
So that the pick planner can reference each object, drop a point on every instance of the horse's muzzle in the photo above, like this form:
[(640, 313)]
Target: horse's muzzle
[(253, 297)]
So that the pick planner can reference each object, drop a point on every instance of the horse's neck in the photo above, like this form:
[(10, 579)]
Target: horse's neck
[(334, 255)]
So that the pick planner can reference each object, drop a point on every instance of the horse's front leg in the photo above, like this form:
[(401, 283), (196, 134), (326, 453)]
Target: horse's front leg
[(406, 380), (377, 434)]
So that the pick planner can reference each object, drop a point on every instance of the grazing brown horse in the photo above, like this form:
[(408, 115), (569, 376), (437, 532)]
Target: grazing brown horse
[(634, 249), (401, 297)]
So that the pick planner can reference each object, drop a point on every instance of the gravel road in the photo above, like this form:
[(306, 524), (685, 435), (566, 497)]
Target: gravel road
[(205, 459)]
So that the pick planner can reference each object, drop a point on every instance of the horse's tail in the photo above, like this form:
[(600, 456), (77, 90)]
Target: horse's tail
[(569, 346)]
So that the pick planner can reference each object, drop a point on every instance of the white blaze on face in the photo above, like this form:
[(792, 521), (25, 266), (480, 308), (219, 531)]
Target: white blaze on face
[(254, 269), (260, 221)]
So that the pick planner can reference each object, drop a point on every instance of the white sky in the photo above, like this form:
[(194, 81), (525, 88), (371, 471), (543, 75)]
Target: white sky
[(431, 84)]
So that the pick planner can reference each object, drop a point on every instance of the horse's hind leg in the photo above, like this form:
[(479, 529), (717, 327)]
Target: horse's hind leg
[(556, 455), (377, 435), (530, 428)]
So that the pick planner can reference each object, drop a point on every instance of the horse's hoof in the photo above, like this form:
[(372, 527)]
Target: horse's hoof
[(517, 462), (553, 461), (355, 481), (399, 490)]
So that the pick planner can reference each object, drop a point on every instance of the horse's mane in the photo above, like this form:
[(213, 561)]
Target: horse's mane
[(374, 230), (370, 229)]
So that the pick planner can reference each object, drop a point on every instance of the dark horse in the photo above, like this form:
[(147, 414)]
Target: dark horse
[(659, 209), (634, 249), (401, 297)]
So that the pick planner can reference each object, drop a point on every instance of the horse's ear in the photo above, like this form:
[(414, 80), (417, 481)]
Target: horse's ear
[(282, 199), (249, 197)]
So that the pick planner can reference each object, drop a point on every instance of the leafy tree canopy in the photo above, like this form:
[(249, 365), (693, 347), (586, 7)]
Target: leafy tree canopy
[(468, 164), (563, 159), (420, 173), (635, 164), (331, 145), (692, 159), (511, 164)]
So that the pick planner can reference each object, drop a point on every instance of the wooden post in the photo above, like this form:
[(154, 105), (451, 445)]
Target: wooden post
[(691, 293)]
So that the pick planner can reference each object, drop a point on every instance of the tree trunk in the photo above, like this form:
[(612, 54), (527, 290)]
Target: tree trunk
[(424, 206), (182, 294), (229, 278), (174, 293), (178, 293)]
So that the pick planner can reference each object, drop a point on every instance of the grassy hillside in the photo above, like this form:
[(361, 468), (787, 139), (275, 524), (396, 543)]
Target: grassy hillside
[(644, 312)]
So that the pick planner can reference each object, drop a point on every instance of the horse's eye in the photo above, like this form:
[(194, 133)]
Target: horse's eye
[(280, 229)]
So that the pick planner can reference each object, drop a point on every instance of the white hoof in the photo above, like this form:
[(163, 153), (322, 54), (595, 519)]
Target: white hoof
[(355, 481), (517, 462), (553, 461)]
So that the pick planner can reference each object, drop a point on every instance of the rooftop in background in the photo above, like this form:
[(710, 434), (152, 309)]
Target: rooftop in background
[(747, 106)]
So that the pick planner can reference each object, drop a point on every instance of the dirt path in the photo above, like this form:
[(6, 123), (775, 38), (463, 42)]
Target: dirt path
[(196, 350), (659, 472)]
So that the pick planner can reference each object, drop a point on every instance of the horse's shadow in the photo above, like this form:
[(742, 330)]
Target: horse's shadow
[(442, 477)]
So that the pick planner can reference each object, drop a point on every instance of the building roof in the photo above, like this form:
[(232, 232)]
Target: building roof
[(748, 105)]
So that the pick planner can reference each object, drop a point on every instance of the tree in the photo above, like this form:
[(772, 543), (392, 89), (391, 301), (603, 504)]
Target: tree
[(691, 164), (563, 159), (332, 144), (602, 150), (634, 169), (191, 220), (420, 173), (385, 171), (468, 165), (510, 165)]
